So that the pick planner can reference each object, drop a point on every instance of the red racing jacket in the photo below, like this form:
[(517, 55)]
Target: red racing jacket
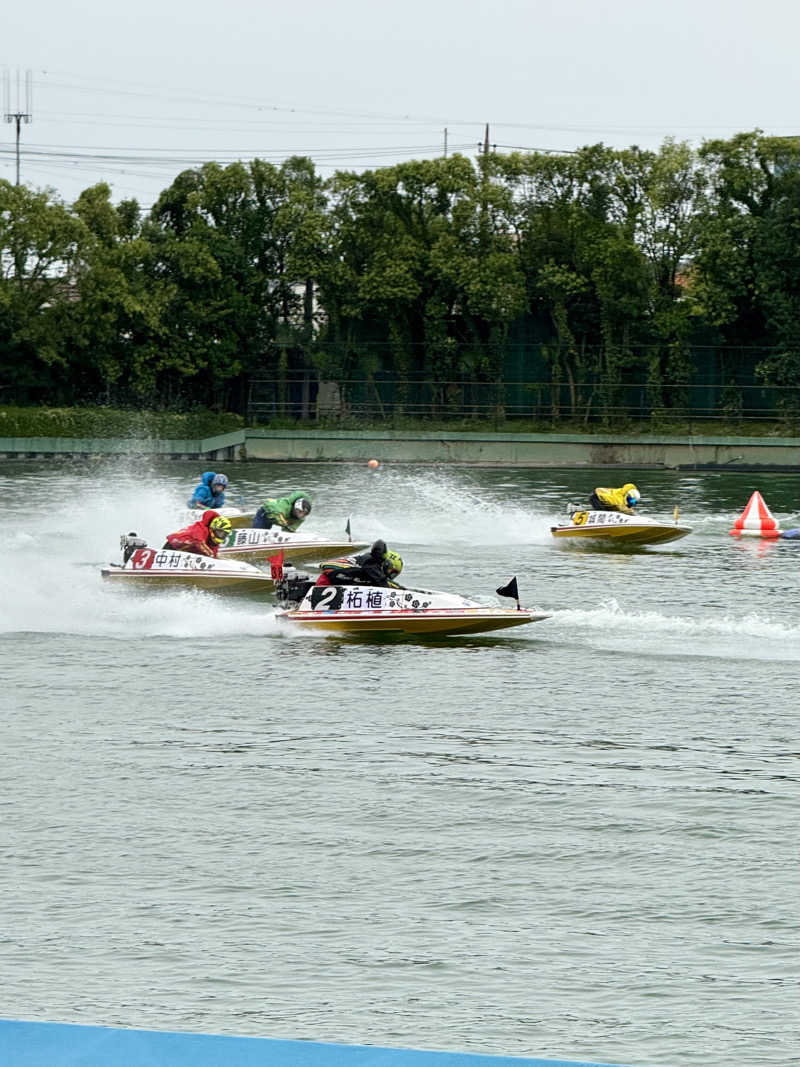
[(195, 538)]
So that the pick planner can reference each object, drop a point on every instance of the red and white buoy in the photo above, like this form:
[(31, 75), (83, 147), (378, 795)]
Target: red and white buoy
[(756, 520)]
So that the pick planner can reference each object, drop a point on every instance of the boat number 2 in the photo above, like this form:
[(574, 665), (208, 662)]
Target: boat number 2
[(326, 597)]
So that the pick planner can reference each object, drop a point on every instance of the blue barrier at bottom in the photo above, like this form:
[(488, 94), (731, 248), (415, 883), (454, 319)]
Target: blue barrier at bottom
[(24, 1044)]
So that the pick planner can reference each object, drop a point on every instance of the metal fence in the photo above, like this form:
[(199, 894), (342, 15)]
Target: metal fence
[(387, 398)]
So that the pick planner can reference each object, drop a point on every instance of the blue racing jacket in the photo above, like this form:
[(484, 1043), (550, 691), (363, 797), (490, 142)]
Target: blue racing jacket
[(203, 498)]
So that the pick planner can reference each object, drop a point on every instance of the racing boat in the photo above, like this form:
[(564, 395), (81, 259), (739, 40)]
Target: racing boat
[(238, 518), (151, 568), (616, 528), (249, 544), (377, 609)]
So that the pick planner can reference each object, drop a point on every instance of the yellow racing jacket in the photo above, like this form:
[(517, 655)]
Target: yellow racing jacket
[(615, 499)]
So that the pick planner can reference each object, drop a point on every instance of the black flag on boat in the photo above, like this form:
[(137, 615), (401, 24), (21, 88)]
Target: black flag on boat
[(510, 590)]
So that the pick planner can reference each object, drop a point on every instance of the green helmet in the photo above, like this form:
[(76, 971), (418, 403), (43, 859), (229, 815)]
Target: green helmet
[(392, 564)]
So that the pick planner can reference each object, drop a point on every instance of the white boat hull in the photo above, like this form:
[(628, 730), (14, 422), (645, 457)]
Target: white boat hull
[(150, 568), (615, 528), (258, 545), (237, 517), (370, 609)]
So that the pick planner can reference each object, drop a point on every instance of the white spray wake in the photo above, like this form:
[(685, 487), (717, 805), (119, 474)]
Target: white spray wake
[(436, 510), (610, 617), (50, 572)]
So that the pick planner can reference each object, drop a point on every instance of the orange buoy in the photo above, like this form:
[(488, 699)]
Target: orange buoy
[(756, 520)]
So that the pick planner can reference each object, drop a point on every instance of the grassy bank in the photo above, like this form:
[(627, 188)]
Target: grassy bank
[(102, 422), (683, 428)]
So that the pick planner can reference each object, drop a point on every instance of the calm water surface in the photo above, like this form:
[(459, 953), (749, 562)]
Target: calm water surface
[(578, 839)]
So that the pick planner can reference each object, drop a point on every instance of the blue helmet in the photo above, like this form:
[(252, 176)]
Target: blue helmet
[(220, 480), (632, 498)]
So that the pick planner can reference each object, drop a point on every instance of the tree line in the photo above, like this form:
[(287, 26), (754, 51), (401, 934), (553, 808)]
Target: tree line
[(612, 266)]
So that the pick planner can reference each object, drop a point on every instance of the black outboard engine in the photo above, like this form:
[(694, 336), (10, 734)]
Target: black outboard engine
[(129, 543), (291, 589)]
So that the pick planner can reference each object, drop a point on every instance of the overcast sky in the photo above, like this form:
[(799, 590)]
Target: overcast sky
[(134, 93)]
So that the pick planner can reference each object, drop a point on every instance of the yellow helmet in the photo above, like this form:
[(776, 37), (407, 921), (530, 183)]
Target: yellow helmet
[(220, 529), (392, 564)]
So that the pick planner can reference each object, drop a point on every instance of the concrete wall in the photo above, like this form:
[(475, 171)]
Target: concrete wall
[(533, 450), (478, 449)]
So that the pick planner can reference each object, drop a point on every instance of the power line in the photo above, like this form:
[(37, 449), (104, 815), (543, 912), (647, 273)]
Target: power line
[(139, 89), (100, 156), (253, 118), (17, 116)]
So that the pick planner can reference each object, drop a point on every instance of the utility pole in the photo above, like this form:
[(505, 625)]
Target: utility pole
[(18, 116), (486, 141), (445, 142)]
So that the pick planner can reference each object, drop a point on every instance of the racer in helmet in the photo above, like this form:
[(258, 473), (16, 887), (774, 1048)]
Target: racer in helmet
[(287, 512), (220, 529), (210, 493), (202, 538), (378, 566), (392, 564), (624, 499)]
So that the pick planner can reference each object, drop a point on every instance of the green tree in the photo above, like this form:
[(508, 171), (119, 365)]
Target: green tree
[(584, 271), (40, 243), (746, 277), (113, 327), (418, 264), (235, 244)]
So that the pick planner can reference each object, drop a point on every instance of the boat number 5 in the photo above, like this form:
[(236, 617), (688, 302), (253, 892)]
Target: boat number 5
[(579, 518)]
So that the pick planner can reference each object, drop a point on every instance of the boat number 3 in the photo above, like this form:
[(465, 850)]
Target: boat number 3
[(579, 518)]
